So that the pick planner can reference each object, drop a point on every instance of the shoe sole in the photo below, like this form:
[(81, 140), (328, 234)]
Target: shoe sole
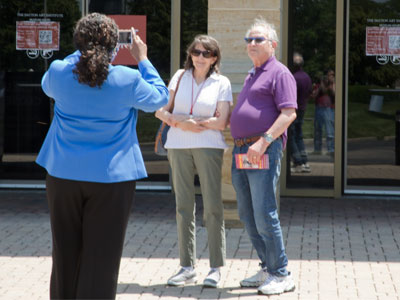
[(182, 283), (278, 292), (210, 285)]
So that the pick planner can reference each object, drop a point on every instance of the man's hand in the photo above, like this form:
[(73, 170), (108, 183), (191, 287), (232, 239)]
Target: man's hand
[(257, 150)]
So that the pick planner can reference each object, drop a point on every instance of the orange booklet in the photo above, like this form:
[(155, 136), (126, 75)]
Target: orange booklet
[(243, 163)]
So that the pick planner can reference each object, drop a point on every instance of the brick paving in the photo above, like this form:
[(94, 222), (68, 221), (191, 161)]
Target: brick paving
[(338, 249)]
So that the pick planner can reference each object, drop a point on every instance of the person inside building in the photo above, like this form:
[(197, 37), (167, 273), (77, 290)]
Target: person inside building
[(92, 156), (265, 108), (195, 143), (296, 143), (324, 94)]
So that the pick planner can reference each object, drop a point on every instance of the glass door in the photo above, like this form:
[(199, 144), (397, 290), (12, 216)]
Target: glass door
[(155, 32), (311, 58), (158, 39), (372, 131), (33, 33)]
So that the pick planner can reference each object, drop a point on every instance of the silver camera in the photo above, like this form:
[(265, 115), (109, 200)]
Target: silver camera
[(125, 37)]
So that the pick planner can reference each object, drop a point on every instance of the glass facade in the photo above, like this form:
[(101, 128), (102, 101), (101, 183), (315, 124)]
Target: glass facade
[(310, 155), (367, 104), (33, 34), (372, 150), (364, 115), (158, 38)]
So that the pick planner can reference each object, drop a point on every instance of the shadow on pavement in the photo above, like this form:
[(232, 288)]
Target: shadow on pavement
[(162, 290)]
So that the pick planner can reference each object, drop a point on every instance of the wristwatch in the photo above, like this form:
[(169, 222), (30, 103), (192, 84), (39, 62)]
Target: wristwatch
[(268, 137)]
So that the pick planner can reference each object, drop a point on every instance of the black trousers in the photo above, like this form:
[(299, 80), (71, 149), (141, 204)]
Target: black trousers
[(88, 223)]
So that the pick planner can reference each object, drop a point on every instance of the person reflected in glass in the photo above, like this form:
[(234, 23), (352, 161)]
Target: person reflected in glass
[(92, 156), (195, 143), (265, 108), (296, 142), (324, 118)]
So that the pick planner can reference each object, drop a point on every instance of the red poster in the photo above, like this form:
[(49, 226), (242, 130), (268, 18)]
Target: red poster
[(382, 41), (126, 22), (36, 35)]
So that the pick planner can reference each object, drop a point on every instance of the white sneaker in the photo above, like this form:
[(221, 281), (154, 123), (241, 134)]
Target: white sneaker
[(184, 276), (255, 280), (296, 169), (213, 278), (305, 168), (276, 285)]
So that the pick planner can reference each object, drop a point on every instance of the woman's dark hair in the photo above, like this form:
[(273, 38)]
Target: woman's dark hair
[(96, 37), (209, 43)]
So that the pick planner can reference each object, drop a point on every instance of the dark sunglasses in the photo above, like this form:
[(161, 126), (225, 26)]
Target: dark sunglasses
[(205, 53), (257, 40)]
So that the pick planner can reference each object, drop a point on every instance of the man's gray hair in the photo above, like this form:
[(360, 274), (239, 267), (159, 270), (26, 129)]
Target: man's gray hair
[(267, 28)]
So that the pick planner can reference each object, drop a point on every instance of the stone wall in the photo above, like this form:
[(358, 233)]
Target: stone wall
[(228, 21)]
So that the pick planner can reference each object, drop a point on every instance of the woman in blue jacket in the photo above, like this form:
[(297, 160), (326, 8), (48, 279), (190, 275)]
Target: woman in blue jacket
[(92, 156)]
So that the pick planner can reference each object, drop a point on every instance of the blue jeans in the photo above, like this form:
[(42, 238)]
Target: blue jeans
[(256, 199), (324, 117), (296, 142)]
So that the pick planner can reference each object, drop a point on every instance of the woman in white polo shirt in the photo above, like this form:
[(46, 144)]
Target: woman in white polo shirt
[(195, 143)]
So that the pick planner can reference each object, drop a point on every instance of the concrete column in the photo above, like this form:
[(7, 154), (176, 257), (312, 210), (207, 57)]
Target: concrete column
[(175, 35)]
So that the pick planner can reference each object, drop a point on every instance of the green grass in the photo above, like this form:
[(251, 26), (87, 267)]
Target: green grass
[(364, 123), (147, 126), (308, 125)]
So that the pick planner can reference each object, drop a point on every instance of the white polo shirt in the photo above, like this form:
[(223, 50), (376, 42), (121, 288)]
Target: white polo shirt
[(216, 88)]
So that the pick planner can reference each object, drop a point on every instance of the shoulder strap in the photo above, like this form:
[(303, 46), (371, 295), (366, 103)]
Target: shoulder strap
[(176, 90)]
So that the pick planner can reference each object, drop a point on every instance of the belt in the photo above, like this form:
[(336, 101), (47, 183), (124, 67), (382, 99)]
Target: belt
[(245, 141)]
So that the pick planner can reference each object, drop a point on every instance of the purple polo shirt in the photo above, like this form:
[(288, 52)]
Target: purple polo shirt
[(266, 90), (304, 86)]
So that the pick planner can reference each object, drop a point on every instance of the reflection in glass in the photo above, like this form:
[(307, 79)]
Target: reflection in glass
[(24, 109), (373, 97), (158, 35), (313, 33)]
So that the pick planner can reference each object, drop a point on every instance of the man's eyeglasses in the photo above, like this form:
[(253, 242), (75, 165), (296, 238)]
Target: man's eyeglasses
[(257, 40), (205, 53)]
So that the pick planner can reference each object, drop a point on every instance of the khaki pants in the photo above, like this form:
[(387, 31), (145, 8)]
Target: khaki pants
[(208, 163)]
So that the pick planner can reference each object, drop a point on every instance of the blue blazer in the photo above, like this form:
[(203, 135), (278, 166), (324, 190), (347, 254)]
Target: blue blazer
[(92, 136)]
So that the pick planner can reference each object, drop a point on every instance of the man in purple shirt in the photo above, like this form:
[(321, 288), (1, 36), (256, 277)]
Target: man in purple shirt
[(265, 108), (296, 142)]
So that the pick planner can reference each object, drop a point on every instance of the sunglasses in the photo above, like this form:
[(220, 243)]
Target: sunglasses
[(257, 40), (205, 53)]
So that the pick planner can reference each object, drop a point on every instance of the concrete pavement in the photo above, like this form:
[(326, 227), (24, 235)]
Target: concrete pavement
[(338, 249)]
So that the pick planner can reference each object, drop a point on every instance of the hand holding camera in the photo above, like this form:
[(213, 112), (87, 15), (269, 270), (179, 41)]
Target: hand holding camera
[(124, 37), (137, 48)]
